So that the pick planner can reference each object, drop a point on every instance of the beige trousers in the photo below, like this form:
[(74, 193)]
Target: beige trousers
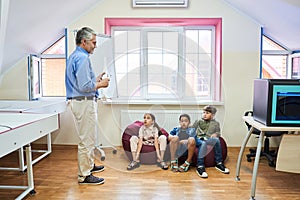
[(162, 141), (85, 114)]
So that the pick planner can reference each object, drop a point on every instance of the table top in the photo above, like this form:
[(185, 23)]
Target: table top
[(10, 121), (250, 120), (39, 106)]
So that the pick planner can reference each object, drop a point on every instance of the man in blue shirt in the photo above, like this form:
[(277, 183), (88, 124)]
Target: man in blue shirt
[(82, 92)]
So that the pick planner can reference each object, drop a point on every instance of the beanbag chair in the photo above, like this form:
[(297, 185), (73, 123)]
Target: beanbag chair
[(148, 153)]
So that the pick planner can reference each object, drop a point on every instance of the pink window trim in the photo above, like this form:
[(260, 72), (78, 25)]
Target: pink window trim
[(217, 22)]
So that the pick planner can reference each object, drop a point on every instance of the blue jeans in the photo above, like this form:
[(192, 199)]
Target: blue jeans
[(202, 145)]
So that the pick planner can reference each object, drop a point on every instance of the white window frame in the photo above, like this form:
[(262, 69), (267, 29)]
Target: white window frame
[(290, 64), (214, 84)]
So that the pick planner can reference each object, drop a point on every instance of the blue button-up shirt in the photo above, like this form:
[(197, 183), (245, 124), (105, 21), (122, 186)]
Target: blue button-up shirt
[(80, 78)]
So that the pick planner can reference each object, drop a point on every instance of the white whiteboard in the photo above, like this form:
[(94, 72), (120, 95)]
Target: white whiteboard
[(103, 61)]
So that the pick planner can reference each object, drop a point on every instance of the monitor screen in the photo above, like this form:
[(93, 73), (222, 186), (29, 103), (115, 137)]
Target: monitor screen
[(286, 104)]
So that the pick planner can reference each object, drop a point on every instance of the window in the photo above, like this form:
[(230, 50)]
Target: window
[(53, 70), (34, 77), (295, 68), (167, 59), (274, 60)]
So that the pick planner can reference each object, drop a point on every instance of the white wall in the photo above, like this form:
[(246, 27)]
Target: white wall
[(14, 82), (240, 61), (240, 65)]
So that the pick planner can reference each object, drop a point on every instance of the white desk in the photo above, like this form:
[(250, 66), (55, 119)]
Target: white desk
[(40, 106), (263, 129), (19, 130)]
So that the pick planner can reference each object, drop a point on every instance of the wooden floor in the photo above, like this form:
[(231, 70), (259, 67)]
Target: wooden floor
[(55, 177)]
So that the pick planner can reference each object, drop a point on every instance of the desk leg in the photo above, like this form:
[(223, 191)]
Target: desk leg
[(256, 162), (238, 164), (30, 188), (21, 160), (29, 168)]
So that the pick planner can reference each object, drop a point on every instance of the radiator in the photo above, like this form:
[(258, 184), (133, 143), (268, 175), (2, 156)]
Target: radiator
[(167, 119)]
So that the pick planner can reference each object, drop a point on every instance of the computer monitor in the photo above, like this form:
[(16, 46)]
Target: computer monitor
[(276, 102)]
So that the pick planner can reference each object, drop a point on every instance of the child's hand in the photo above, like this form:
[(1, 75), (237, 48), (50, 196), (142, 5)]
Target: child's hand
[(214, 135)]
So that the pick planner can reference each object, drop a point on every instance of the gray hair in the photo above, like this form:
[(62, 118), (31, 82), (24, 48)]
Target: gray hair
[(84, 33)]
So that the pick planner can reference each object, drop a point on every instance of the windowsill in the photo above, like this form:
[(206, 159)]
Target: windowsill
[(143, 102), (160, 102)]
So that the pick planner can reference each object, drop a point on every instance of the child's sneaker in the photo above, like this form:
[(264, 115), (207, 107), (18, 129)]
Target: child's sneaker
[(201, 172), (221, 167)]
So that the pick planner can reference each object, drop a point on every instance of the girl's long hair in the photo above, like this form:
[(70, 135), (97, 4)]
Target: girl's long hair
[(155, 124)]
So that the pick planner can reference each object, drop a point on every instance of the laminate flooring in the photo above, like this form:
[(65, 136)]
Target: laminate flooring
[(55, 178)]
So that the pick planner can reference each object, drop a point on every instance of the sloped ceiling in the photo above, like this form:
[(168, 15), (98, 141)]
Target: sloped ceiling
[(280, 19), (29, 26)]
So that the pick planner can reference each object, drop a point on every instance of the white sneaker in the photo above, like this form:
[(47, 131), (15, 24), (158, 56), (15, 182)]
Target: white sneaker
[(201, 172), (221, 167)]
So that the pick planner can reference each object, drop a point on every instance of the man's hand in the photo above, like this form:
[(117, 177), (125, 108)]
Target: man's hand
[(103, 83), (99, 78)]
